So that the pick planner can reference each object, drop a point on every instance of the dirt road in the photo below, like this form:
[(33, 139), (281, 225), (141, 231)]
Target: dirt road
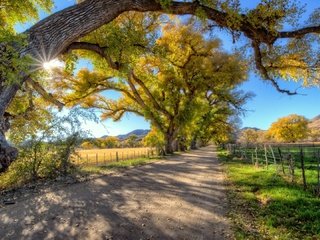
[(178, 198)]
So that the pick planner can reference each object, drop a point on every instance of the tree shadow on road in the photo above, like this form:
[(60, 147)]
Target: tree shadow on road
[(181, 198)]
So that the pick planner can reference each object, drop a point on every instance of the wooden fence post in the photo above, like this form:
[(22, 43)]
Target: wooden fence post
[(104, 158), (274, 158), (252, 158), (117, 157), (87, 159), (291, 165), (245, 154), (265, 155), (281, 160), (303, 169), (318, 169), (256, 152), (96, 158)]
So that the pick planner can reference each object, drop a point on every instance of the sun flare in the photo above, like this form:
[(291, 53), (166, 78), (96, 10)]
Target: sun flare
[(55, 63)]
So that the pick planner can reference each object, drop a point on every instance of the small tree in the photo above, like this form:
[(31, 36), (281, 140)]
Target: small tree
[(248, 136), (111, 142), (314, 134), (291, 128), (87, 145), (132, 140), (154, 139), (47, 152)]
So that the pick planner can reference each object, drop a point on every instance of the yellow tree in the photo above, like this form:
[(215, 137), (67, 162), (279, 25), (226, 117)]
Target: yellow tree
[(154, 139), (167, 83), (111, 142), (248, 136), (291, 128)]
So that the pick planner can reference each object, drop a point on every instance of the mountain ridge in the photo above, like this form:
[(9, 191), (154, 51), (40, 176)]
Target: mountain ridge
[(140, 133)]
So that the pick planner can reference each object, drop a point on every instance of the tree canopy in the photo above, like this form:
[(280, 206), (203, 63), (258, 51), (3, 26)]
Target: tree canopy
[(171, 80), (289, 129)]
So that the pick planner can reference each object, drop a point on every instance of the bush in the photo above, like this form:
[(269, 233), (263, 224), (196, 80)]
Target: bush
[(47, 153)]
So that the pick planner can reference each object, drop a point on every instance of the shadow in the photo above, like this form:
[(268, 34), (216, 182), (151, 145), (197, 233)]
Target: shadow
[(182, 197)]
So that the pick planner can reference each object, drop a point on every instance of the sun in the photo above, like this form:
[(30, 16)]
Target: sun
[(54, 63)]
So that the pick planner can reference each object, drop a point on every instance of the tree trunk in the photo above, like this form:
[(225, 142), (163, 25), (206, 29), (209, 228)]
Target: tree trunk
[(169, 143), (7, 153), (182, 144), (193, 144)]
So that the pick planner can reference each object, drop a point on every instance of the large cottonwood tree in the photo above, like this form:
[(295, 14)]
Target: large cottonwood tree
[(263, 26), (172, 83)]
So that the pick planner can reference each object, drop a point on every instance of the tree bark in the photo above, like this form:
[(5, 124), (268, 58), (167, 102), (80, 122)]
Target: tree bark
[(7, 153), (169, 143), (193, 144)]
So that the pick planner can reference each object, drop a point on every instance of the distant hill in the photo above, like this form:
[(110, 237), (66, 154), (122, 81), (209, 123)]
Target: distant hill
[(140, 133), (253, 128), (315, 122)]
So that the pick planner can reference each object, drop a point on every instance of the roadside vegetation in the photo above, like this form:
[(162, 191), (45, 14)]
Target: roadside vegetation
[(115, 166), (18, 175), (265, 205), (104, 156)]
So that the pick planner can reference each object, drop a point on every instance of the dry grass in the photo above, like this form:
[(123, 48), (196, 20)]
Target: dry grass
[(101, 156)]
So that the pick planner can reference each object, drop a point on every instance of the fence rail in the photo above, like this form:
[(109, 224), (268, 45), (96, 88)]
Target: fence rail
[(101, 157), (299, 162)]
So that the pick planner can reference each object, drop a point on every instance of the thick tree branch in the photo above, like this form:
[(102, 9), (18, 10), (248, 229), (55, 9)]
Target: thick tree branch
[(150, 96), (299, 33), (47, 96), (263, 70), (138, 98), (94, 48), (117, 109), (140, 101)]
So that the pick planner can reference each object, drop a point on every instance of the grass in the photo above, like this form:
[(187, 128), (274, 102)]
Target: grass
[(103, 156), (18, 175), (103, 169), (265, 206)]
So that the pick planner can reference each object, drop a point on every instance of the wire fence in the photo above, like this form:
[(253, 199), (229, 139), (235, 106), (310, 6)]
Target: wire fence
[(299, 162), (105, 156)]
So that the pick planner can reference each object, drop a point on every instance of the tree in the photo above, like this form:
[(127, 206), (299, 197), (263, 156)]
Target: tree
[(314, 134), (47, 150), (21, 11), (111, 142), (175, 81), (289, 129), (220, 121), (263, 26), (248, 136), (132, 141), (154, 139), (87, 145)]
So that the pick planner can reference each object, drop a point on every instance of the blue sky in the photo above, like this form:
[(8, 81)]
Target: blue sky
[(267, 106)]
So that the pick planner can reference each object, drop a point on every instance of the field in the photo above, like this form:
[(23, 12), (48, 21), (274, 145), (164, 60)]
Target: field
[(264, 204), (102, 156), (298, 163)]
